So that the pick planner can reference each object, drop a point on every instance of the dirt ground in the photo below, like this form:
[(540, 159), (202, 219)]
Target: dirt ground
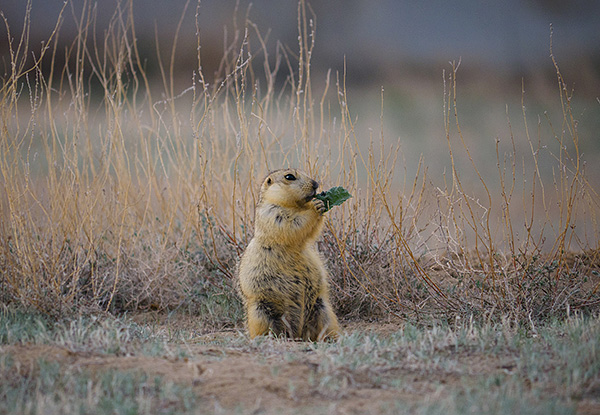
[(278, 377), (226, 378)]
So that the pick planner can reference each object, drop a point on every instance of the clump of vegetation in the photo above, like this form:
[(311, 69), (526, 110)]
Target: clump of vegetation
[(115, 197), (110, 392)]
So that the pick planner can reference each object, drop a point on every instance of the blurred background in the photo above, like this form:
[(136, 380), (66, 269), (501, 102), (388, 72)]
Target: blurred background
[(380, 39), (403, 47)]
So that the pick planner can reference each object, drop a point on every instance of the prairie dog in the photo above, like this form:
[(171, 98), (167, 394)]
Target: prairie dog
[(282, 278)]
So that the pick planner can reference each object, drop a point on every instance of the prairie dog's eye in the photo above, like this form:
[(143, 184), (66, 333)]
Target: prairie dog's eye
[(290, 177)]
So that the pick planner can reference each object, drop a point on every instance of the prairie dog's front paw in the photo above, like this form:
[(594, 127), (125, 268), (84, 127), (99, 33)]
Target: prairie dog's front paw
[(319, 206)]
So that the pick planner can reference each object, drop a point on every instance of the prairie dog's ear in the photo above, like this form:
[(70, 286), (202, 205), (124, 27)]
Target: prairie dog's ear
[(269, 181)]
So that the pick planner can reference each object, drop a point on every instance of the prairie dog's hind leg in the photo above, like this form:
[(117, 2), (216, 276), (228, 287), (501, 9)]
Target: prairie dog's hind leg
[(258, 323), (322, 323), (265, 316)]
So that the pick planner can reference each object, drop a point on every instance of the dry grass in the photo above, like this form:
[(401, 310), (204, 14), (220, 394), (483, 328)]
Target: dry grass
[(122, 193)]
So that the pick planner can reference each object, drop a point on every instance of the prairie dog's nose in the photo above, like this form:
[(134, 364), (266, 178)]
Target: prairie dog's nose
[(315, 184)]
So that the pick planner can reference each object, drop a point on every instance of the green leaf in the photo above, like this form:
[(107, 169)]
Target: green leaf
[(333, 197)]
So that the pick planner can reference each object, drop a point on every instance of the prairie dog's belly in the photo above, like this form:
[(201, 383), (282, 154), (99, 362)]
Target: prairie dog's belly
[(274, 272)]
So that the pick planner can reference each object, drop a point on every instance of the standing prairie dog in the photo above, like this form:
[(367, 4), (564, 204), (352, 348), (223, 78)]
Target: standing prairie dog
[(282, 278)]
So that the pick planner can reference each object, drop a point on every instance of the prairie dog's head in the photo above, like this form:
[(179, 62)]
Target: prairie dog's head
[(288, 187)]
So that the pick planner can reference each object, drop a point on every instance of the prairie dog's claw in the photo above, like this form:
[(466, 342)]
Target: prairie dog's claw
[(319, 206)]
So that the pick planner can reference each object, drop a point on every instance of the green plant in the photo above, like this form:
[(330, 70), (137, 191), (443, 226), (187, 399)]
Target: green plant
[(333, 197)]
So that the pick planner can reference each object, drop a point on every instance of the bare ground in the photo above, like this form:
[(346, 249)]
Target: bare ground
[(228, 372)]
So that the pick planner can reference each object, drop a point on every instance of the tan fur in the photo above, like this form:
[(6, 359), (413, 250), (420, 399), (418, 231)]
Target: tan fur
[(282, 278)]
